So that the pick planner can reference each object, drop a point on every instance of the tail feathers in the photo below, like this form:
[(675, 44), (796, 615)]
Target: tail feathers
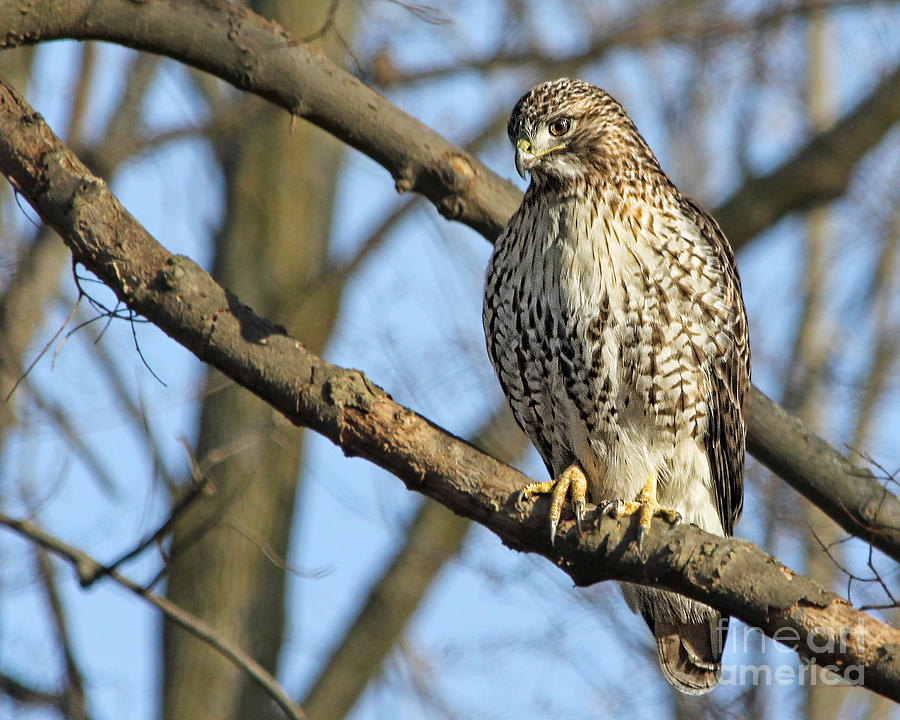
[(689, 654), (690, 636)]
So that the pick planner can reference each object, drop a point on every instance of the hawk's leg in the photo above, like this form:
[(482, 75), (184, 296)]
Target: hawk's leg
[(647, 507), (572, 481)]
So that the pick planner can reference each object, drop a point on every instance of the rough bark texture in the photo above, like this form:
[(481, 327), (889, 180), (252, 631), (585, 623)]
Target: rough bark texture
[(257, 55), (345, 406)]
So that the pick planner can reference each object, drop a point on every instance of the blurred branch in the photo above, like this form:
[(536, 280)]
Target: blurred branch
[(104, 159), (23, 694), (22, 310), (115, 141), (884, 356), (434, 537), (87, 567), (83, 88), (57, 415), (133, 407), (814, 352), (459, 185), (819, 171), (660, 24), (346, 407), (191, 493), (72, 698)]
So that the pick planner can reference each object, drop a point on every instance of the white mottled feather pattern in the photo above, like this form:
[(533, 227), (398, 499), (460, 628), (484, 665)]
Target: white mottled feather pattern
[(613, 317), (575, 275)]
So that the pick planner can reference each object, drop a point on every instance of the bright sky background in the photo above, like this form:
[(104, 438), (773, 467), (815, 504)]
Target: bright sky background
[(496, 621)]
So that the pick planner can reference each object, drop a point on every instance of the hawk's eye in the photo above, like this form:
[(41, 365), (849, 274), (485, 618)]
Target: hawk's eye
[(559, 127)]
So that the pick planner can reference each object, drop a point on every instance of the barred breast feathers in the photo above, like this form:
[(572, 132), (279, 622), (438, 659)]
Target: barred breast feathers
[(614, 319)]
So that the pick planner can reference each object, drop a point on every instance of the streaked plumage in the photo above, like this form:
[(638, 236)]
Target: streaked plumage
[(614, 319)]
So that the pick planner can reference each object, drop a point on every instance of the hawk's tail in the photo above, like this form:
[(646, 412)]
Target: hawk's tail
[(690, 637)]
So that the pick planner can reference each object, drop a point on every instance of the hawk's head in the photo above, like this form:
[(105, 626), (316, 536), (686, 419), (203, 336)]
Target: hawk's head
[(567, 130)]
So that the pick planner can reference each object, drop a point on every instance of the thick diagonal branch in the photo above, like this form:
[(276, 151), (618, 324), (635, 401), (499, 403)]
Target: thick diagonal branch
[(345, 406), (257, 55)]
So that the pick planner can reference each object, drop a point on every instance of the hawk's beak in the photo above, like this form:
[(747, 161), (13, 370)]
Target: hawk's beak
[(525, 159)]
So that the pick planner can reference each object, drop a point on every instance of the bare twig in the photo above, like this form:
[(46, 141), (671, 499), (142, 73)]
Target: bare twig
[(43, 351), (86, 568), (72, 698)]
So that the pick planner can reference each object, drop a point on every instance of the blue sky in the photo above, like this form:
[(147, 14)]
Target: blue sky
[(495, 619)]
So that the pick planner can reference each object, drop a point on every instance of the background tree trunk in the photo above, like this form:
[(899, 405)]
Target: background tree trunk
[(279, 188)]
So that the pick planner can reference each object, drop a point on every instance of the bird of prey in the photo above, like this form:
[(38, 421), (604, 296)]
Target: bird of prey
[(614, 320)]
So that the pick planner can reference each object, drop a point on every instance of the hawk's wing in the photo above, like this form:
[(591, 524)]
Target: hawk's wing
[(729, 381)]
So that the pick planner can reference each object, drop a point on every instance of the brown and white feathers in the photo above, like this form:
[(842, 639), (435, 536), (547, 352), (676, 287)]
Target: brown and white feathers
[(614, 319)]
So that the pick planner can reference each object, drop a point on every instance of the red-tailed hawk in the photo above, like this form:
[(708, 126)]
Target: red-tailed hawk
[(614, 319)]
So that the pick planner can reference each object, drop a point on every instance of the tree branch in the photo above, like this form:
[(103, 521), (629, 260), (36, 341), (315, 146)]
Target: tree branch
[(819, 171), (345, 406), (257, 55), (87, 569), (665, 24)]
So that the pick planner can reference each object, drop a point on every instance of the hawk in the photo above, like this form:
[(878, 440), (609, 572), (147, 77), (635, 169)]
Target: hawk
[(614, 320)]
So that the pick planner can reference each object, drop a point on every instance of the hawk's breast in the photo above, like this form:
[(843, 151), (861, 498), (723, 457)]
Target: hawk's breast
[(602, 343)]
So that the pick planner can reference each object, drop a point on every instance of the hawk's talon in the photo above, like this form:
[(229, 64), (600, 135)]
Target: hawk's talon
[(520, 499), (578, 506), (572, 481), (642, 532), (647, 507)]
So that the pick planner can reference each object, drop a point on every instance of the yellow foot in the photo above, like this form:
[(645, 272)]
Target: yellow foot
[(647, 507), (572, 481)]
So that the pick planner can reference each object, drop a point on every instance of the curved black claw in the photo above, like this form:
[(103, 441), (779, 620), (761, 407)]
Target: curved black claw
[(611, 508), (579, 513), (553, 524), (520, 498), (642, 532)]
